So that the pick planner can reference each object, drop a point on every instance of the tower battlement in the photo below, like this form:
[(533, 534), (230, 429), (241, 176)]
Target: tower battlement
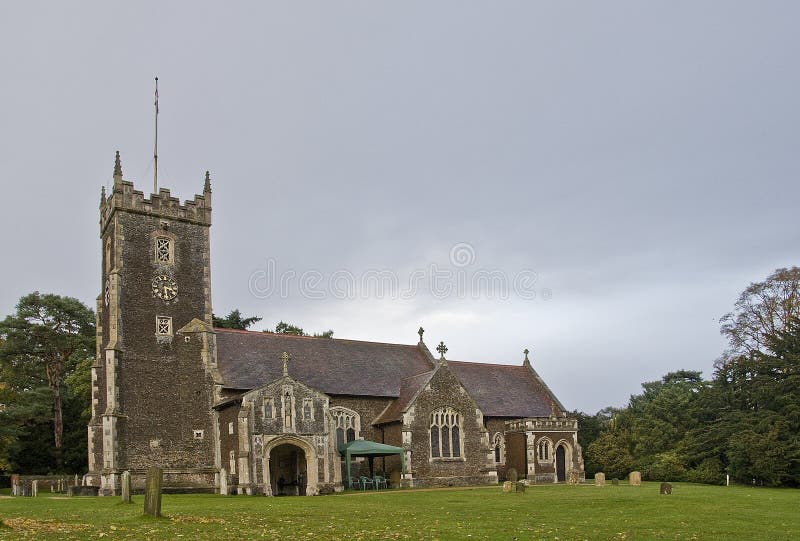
[(125, 197)]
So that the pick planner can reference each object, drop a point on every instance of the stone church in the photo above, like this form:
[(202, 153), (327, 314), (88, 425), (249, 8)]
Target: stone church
[(262, 413)]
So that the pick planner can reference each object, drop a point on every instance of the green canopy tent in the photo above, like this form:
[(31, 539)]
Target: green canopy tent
[(369, 449)]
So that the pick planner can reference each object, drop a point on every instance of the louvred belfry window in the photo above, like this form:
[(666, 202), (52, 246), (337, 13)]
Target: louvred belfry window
[(445, 433), (163, 326), (163, 250)]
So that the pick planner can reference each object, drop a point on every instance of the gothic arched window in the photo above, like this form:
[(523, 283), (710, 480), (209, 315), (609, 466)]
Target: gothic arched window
[(445, 433), (545, 450), (346, 423)]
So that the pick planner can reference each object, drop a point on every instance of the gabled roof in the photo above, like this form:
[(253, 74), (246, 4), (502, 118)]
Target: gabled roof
[(504, 390), (250, 359), (409, 389)]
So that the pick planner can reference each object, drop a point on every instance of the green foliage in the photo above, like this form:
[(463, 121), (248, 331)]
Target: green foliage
[(45, 348), (611, 453), (234, 320), (744, 422), (287, 328)]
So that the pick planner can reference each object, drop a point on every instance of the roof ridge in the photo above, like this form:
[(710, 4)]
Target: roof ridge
[(295, 336), (486, 364)]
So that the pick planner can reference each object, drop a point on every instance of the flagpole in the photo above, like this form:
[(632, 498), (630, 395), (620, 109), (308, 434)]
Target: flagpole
[(155, 147)]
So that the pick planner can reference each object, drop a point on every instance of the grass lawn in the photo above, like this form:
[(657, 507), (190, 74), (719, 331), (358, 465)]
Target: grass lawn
[(543, 512)]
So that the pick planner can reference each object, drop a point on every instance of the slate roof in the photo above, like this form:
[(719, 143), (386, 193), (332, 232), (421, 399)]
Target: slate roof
[(502, 390), (250, 359), (409, 388)]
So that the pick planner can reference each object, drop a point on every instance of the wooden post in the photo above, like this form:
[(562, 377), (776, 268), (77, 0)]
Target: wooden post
[(152, 492), (126, 487)]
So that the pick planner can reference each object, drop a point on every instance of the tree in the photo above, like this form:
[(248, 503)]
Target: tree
[(287, 328), (762, 311), (234, 320), (41, 343)]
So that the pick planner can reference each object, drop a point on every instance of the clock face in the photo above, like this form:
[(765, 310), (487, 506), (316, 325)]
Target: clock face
[(165, 287), (107, 292)]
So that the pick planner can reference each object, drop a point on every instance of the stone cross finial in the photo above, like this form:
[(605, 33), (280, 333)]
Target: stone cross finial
[(117, 166), (526, 355), (420, 332), (102, 194), (442, 349), (285, 359), (207, 186)]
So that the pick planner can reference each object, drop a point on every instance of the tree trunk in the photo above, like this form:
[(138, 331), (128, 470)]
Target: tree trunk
[(55, 375), (58, 428)]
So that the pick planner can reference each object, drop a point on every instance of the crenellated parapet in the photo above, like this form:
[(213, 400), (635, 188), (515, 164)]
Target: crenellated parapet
[(163, 205), (542, 424)]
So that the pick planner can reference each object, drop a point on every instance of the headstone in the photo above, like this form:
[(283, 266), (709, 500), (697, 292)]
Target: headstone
[(34, 488), (635, 479), (511, 475), (223, 482), (508, 486), (615, 482), (76, 480), (126, 487), (520, 486), (86, 490), (573, 477), (152, 492), (666, 488), (599, 479)]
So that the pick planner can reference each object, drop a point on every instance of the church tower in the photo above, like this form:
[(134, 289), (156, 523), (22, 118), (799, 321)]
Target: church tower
[(155, 369)]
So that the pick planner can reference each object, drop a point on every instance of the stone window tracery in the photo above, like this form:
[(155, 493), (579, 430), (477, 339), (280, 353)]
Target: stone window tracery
[(445, 434), (545, 450), (347, 424), (163, 326), (164, 250)]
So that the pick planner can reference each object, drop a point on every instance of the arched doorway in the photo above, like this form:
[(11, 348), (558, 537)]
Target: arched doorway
[(561, 464), (287, 470)]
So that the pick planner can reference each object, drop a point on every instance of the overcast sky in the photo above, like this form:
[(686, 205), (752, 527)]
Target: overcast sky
[(620, 170)]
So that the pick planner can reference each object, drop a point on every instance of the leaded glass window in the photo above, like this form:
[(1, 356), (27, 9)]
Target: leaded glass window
[(545, 450), (347, 425), (445, 433)]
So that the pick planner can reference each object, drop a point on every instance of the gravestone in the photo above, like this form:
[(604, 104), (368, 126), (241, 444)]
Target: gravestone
[(600, 479), (126, 487), (508, 486), (666, 488), (85, 490), (34, 488), (520, 486), (615, 482), (77, 483), (635, 479), (152, 492), (573, 477), (511, 475), (223, 482)]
